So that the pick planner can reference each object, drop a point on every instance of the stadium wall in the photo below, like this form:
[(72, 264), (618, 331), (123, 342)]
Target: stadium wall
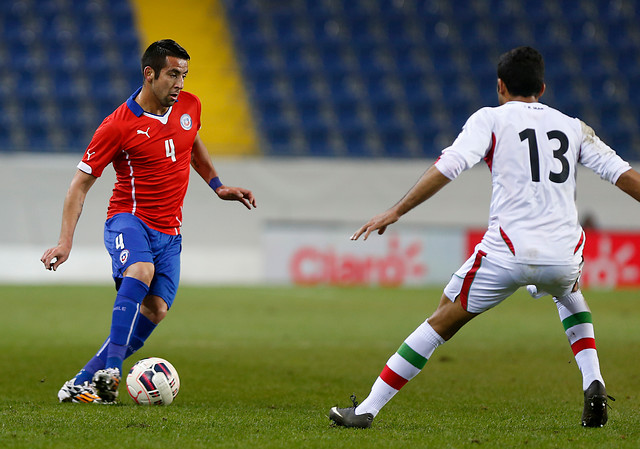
[(310, 201)]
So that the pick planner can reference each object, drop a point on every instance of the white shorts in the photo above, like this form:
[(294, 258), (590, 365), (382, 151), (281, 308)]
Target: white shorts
[(482, 283)]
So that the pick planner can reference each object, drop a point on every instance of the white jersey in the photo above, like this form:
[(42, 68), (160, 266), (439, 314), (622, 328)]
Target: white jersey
[(532, 151)]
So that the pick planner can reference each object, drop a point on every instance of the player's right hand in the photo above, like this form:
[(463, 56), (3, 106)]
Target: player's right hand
[(378, 223), (53, 257)]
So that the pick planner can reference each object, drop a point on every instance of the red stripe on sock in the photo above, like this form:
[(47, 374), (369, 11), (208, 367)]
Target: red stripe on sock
[(583, 343), (392, 379), (468, 279)]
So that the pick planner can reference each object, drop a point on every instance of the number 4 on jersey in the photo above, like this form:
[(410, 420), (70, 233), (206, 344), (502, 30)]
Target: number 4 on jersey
[(170, 149), (529, 134)]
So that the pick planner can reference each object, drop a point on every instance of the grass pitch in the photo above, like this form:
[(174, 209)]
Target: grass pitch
[(260, 367)]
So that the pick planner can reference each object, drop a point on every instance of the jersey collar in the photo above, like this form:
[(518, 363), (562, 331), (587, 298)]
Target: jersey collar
[(138, 111), (133, 106)]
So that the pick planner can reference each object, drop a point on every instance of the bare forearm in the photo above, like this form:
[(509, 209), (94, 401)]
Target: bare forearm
[(428, 185), (629, 182), (201, 161), (204, 167), (73, 203), (71, 211)]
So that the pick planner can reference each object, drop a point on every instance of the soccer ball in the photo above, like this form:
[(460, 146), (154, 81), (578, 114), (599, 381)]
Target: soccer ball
[(153, 381)]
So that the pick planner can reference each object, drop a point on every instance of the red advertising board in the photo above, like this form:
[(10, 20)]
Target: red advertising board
[(611, 258), (323, 254), (312, 265)]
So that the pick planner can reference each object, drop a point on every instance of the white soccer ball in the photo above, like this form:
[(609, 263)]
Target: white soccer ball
[(153, 381)]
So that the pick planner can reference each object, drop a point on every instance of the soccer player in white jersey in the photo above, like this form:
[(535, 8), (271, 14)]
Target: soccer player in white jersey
[(533, 239)]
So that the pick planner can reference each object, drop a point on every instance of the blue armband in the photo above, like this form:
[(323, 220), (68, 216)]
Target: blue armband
[(215, 183)]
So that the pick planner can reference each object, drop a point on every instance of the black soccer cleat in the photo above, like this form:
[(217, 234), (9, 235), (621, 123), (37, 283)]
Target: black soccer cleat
[(106, 382), (346, 417), (595, 405)]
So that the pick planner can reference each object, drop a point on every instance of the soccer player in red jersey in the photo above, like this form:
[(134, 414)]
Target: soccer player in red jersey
[(151, 140)]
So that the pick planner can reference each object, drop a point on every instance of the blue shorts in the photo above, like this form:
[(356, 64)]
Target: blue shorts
[(128, 240)]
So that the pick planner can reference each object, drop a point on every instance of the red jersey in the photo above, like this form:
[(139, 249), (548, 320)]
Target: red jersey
[(151, 155)]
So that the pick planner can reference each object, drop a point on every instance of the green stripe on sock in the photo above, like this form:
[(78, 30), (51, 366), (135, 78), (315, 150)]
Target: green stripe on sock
[(412, 356), (578, 318)]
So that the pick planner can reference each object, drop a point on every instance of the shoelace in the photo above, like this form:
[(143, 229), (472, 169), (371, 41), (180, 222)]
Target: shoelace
[(355, 403), (613, 399)]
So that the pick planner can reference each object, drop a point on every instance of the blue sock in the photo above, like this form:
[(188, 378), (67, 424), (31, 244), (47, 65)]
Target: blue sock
[(144, 328), (123, 320), (93, 365)]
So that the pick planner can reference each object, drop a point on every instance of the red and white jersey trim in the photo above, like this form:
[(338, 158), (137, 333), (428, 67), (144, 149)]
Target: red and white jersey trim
[(532, 151)]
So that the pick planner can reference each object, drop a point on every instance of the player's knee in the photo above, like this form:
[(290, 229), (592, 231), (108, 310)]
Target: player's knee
[(154, 308), (449, 317), (157, 316), (143, 271)]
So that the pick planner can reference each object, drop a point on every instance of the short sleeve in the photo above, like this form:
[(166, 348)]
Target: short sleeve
[(599, 157), (470, 147), (102, 148)]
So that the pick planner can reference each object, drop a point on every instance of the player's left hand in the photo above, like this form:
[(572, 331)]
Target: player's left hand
[(245, 196)]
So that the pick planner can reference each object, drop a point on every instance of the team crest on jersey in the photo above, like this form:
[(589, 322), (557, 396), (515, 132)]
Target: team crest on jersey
[(124, 256), (185, 122)]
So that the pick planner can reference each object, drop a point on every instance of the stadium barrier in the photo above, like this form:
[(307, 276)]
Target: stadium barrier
[(321, 254), (307, 208)]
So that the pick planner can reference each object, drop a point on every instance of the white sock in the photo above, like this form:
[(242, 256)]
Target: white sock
[(403, 366), (576, 319)]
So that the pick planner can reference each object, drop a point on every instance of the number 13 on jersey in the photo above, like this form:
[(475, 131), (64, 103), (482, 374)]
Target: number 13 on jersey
[(530, 135)]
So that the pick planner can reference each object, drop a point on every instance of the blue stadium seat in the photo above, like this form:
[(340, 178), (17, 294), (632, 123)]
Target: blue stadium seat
[(59, 51), (436, 60), (355, 135)]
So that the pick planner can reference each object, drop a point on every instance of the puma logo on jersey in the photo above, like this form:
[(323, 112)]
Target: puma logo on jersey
[(146, 133), (89, 154)]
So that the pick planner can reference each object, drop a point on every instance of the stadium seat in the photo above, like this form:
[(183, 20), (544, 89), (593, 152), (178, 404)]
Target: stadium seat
[(443, 56), (360, 78), (70, 53)]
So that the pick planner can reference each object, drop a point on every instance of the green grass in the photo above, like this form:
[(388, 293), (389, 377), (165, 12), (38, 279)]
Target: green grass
[(260, 367)]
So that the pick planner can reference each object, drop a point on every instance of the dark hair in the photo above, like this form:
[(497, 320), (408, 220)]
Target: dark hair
[(155, 56), (522, 71)]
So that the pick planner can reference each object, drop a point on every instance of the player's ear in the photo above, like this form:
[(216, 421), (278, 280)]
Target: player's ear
[(149, 74), (502, 87), (544, 86)]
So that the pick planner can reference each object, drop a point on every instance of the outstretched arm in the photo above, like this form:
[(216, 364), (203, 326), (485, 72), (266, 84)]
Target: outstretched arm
[(73, 203), (201, 162), (431, 181), (629, 182)]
